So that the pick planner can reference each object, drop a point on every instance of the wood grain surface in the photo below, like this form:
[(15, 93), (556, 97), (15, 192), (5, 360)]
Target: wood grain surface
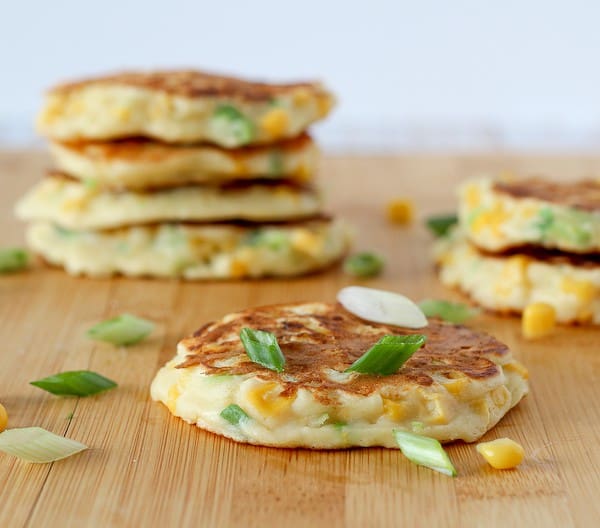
[(147, 468)]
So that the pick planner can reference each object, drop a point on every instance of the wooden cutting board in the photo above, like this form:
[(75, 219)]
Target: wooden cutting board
[(146, 468)]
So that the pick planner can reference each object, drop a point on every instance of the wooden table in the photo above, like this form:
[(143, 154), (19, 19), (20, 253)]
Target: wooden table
[(147, 468)]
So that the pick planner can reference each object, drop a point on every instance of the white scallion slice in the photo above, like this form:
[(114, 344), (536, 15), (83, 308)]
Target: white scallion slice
[(123, 330), (380, 306), (424, 451), (34, 444)]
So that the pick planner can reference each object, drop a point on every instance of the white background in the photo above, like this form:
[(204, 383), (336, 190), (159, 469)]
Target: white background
[(459, 74)]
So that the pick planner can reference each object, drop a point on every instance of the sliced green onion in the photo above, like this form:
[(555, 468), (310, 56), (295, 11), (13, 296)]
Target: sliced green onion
[(35, 444), (448, 311), (124, 330), (230, 122), (440, 225), (381, 306), (364, 264), (262, 348), (417, 427), (424, 451), (234, 414), (272, 239), (75, 383), (276, 162), (388, 354), (13, 259)]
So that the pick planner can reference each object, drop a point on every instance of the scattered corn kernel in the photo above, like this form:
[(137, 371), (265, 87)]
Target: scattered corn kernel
[(400, 211), (275, 122), (539, 319), (3, 418), (503, 453)]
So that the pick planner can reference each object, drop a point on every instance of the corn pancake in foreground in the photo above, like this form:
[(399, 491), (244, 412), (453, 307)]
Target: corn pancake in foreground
[(182, 107), (502, 215), (213, 251), (457, 386), (511, 282), (74, 205), (138, 164)]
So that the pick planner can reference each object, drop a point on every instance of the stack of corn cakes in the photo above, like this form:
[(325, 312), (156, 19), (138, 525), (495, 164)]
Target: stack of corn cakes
[(182, 174), (526, 243)]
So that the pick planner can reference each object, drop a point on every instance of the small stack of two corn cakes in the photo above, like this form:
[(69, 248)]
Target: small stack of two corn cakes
[(527, 242), (182, 174)]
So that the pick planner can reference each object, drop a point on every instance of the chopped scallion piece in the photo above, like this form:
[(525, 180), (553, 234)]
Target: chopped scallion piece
[(453, 312), (231, 123), (123, 330), (388, 354), (262, 348), (34, 444), (381, 306), (234, 414), (13, 259), (440, 225), (424, 451), (364, 265), (75, 383)]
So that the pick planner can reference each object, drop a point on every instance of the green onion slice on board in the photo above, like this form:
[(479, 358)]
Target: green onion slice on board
[(364, 264), (123, 330), (425, 451), (440, 225), (75, 383), (34, 444), (13, 259)]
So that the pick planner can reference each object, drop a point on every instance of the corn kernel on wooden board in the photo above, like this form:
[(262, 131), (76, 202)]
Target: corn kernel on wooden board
[(147, 468)]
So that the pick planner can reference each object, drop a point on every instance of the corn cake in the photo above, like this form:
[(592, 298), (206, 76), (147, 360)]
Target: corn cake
[(73, 204), (140, 163), (511, 281), (498, 215), (457, 386), (182, 107), (213, 251)]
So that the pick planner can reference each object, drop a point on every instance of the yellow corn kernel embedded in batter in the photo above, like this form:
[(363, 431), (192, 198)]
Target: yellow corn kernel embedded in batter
[(538, 320), (503, 453), (275, 122), (436, 410), (456, 386), (491, 219), (584, 290), (301, 96), (237, 268), (519, 368), (500, 396), (307, 242), (324, 105), (264, 399), (472, 196), (172, 398), (393, 409), (400, 211)]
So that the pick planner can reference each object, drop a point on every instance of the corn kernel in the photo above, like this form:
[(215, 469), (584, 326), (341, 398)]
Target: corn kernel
[(301, 96), (585, 291), (472, 196), (307, 242), (393, 409), (266, 402), (539, 319), (3, 418), (324, 104), (238, 268), (275, 122), (519, 368), (172, 398), (400, 211), (503, 453)]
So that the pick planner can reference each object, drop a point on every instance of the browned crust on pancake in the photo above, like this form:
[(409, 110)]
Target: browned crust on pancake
[(194, 84), (449, 351), (553, 257), (147, 150), (304, 187), (583, 194)]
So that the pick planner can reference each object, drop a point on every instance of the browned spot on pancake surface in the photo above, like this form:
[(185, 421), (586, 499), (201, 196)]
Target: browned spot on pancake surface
[(329, 337), (584, 194), (193, 84)]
